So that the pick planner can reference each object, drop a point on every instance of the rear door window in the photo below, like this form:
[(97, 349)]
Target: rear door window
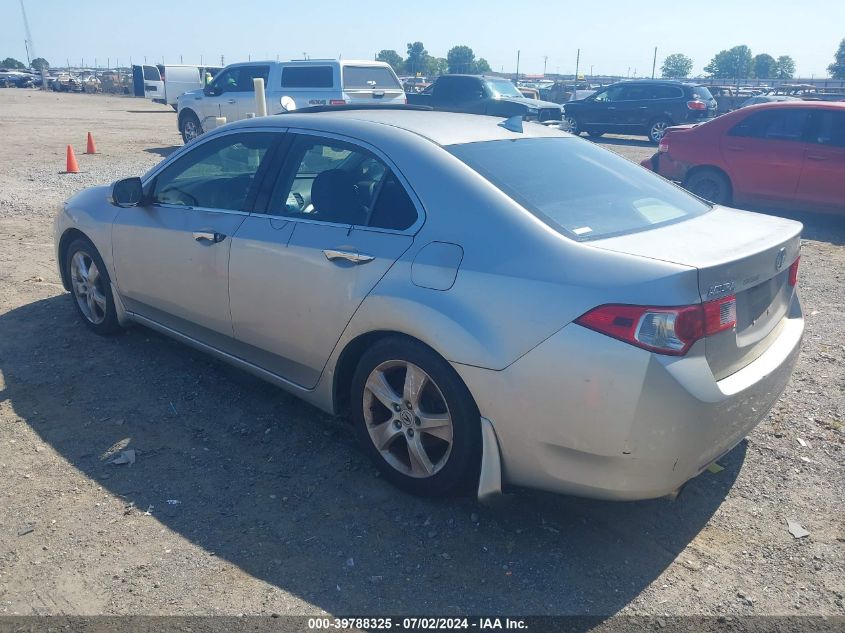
[(151, 73), (780, 125), (307, 77), (666, 92), (369, 77)]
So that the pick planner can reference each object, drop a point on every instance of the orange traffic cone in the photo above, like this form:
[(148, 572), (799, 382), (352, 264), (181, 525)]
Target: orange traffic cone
[(72, 166), (92, 149)]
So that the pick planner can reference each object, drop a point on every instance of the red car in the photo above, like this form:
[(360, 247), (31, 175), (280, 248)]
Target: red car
[(788, 154)]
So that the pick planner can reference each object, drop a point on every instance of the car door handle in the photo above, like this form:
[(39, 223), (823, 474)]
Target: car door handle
[(734, 148), (212, 237), (816, 157), (231, 101), (350, 256)]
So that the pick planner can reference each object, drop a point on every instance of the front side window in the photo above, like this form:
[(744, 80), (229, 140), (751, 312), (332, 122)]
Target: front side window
[(333, 181), (577, 188), (239, 78), (779, 125), (831, 130), (307, 77), (218, 174), (613, 93)]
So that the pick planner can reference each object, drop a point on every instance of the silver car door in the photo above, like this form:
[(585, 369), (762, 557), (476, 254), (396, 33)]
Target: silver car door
[(298, 273), (171, 254)]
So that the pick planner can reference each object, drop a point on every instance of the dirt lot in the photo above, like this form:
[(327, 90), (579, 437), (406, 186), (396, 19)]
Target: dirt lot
[(245, 500)]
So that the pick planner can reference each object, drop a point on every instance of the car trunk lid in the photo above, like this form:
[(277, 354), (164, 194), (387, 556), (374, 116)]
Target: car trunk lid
[(738, 253)]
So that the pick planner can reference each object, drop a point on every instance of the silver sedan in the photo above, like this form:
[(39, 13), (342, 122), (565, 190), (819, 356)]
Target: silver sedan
[(491, 303)]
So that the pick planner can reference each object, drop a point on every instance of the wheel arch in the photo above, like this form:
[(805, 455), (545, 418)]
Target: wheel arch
[(183, 113), (64, 242), (350, 356)]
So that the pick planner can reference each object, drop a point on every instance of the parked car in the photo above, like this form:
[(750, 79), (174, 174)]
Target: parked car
[(787, 154), (640, 107), (490, 304), (757, 99), (294, 84), (477, 94), (415, 84)]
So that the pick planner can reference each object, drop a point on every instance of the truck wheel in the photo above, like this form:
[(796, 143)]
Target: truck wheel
[(190, 127)]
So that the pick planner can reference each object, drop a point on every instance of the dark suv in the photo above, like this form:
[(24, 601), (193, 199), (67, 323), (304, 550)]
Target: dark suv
[(640, 107)]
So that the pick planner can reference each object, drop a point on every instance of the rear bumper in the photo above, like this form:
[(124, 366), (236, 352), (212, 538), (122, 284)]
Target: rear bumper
[(588, 415)]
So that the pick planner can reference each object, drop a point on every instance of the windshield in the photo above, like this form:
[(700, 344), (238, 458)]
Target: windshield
[(581, 190), (503, 88)]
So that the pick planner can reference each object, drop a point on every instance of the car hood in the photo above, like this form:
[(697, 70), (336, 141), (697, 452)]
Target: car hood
[(190, 94), (531, 103)]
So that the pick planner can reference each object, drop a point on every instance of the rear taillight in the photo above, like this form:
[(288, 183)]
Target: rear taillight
[(662, 330), (663, 146), (337, 102), (793, 273), (696, 105)]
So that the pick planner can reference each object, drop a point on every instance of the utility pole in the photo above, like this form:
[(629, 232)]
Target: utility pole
[(221, 61), (517, 65), (577, 64), (654, 63), (545, 61)]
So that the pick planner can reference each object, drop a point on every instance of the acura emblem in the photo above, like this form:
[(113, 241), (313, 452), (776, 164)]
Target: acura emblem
[(779, 258)]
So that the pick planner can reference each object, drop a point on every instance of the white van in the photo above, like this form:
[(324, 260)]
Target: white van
[(287, 85), (163, 83)]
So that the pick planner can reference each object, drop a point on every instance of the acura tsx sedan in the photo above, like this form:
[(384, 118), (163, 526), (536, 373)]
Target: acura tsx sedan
[(491, 303)]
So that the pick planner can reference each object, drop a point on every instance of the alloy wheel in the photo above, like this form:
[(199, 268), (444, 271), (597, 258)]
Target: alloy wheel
[(407, 419), (190, 130), (658, 129), (88, 287)]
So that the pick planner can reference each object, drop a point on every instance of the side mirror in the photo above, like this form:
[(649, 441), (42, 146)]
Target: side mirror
[(127, 192)]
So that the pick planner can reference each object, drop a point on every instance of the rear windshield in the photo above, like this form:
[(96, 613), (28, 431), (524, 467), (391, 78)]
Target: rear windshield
[(357, 77), (702, 93), (581, 190), (307, 77)]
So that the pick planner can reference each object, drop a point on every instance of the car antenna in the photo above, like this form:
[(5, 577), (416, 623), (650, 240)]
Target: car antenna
[(514, 124)]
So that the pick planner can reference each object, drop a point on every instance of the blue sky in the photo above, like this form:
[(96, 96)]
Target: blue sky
[(613, 35)]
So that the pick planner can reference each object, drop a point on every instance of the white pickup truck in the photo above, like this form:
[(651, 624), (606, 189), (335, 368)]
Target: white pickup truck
[(287, 85)]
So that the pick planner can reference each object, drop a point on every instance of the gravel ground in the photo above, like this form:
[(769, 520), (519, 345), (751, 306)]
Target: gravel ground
[(246, 500)]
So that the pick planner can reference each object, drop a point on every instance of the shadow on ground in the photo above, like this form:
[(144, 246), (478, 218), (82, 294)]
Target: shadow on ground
[(333, 533)]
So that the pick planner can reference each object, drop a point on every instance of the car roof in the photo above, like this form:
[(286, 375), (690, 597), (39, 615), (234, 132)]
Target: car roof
[(799, 103), (311, 62), (442, 128)]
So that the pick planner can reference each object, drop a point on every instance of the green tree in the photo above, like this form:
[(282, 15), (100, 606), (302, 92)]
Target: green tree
[(676, 66), (785, 67), (40, 63), (436, 66), (765, 66), (461, 59), (417, 60), (393, 58), (837, 68), (481, 66), (735, 63), (11, 62)]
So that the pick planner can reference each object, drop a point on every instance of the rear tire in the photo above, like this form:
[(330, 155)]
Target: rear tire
[(190, 127), (430, 448), (656, 130), (710, 184)]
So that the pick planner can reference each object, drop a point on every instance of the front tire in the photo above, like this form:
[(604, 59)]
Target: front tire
[(710, 184), (574, 125), (190, 127), (416, 419), (90, 286)]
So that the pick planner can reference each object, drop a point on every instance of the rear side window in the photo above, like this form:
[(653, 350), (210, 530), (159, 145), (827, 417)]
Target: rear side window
[(307, 77), (577, 188), (666, 92), (780, 125), (374, 77)]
